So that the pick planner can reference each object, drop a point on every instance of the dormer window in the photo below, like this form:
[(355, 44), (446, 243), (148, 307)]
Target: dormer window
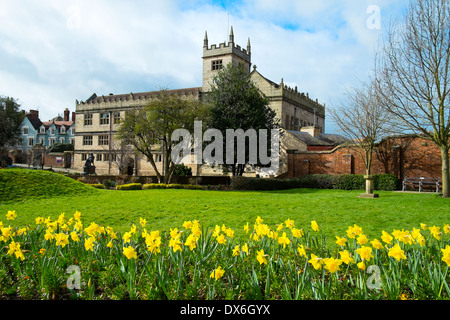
[(62, 130), (216, 65), (42, 129), (52, 131)]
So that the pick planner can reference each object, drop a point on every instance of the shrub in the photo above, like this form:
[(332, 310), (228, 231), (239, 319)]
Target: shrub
[(97, 185), (350, 182), (382, 182), (171, 186), (182, 171), (130, 186), (386, 182)]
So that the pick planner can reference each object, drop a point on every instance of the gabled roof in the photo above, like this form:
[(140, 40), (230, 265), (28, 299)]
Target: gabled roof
[(266, 79), (322, 140), (35, 122)]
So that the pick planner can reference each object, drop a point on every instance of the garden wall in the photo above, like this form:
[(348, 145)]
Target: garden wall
[(406, 156)]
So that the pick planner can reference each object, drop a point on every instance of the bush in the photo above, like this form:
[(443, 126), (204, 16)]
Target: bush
[(182, 171), (386, 182), (382, 182), (130, 186), (171, 186), (97, 185)]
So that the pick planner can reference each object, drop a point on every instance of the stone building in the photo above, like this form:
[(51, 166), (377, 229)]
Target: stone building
[(98, 118)]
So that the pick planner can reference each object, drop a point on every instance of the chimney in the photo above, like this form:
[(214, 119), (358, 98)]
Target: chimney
[(73, 116), (313, 130), (34, 114), (66, 114)]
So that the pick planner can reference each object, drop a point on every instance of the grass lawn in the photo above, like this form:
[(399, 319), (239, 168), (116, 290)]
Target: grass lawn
[(334, 210)]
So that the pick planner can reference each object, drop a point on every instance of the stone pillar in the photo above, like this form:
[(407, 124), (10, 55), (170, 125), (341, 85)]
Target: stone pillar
[(369, 188)]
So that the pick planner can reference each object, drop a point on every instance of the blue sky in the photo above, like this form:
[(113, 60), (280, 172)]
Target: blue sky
[(54, 52)]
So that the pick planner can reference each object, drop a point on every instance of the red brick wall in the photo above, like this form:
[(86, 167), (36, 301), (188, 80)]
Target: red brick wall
[(404, 157)]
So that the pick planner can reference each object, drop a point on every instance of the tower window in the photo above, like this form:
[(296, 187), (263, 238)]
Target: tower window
[(216, 65)]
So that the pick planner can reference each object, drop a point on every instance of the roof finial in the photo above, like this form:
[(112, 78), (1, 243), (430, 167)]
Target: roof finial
[(231, 35), (205, 41)]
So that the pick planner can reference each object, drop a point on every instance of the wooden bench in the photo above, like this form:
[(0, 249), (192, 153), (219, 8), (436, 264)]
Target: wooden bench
[(422, 182)]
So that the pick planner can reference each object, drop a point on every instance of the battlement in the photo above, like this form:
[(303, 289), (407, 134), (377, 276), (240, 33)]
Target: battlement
[(300, 97), (226, 48), (132, 99)]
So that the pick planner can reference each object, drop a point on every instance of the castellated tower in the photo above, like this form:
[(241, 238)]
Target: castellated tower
[(215, 58)]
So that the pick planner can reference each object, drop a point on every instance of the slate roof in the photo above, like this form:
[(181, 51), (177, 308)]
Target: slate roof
[(322, 140)]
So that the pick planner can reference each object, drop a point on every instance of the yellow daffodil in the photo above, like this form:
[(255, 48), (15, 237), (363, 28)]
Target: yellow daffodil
[(42, 251), (314, 225), (191, 242), (284, 240), (397, 253), (361, 265), (280, 227), (221, 239), (341, 241), (175, 243), (362, 239), (346, 257), (74, 236), (423, 226), (332, 264), (352, 232), (12, 248), (142, 222), (289, 223), (446, 229), (259, 220), (297, 233), (62, 239), (218, 273), (376, 244), (365, 253), (89, 244), (261, 257), (245, 248), (77, 215), (129, 252), (187, 224), (110, 244), (316, 261), (126, 237), (246, 228), (11, 215), (435, 231), (386, 237), (236, 251), (446, 255), (301, 250)]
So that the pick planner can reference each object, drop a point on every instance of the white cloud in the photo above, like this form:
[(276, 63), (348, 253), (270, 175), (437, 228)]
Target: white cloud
[(54, 52)]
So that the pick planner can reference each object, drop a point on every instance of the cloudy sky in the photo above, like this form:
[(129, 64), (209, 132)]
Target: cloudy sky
[(54, 52)]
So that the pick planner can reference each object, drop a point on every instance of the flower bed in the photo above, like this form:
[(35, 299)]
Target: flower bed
[(65, 259)]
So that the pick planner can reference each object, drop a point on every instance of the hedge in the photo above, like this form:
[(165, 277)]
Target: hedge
[(171, 186), (382, 182), (97, 185), (130, 186)]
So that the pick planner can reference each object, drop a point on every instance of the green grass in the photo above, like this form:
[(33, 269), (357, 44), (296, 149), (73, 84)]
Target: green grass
[(334, 210), (19, 184)]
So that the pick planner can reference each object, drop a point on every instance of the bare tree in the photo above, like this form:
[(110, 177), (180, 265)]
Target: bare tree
[(361, 118), (412, 75)]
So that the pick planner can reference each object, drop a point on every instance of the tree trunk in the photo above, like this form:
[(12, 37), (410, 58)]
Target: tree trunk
[(445, 172)]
